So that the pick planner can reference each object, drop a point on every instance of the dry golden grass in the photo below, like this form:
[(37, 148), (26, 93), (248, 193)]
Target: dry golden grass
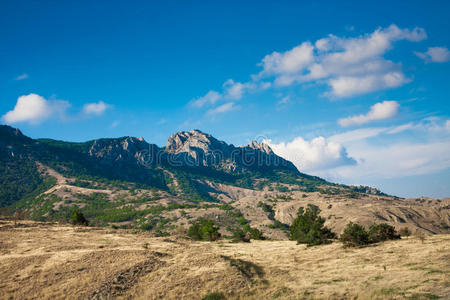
[(49, 261)]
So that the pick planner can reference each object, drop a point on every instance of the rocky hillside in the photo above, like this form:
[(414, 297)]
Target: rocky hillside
[(128, 182)]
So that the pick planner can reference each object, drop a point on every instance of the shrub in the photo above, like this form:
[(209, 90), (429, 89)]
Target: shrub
[(214, 296), (254, 233), (240, 235), (204, 230), (354, 235), (77, 218), (405, 231), (308, 228), (382, 232), (246, 233)]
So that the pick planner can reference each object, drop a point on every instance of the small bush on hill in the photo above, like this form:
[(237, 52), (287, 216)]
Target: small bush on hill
[(382, 232), (204, 230), (254, 233), (240, 235), (246, 233), (214, 296), (354, 235), (405, 231), (308, 228), (77, 218)]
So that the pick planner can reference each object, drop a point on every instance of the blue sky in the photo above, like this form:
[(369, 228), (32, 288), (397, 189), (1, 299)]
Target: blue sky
[(354, 92)]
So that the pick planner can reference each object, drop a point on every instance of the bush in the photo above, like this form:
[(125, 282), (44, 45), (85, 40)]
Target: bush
[(308, 228), (405, 231), (382, 232), (246, 233), (254, 233), (204, 230), (354, 235), (240, 235), (214, 296), (77, 218)]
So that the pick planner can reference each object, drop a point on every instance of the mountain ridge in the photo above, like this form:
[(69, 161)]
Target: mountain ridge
[(129, 182)]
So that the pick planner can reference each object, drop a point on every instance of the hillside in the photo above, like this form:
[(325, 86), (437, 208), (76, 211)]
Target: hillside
[(127, 182), (48, 261)]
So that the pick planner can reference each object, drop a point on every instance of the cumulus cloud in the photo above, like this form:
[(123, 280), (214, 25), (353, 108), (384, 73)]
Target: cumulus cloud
[(289, 62), (353, 156), (34, 109), (395, 160), (210, 98), (235, 90), (22, 77), (346, 86), (315, 155), (350, 66), (378, 111), (96, 108), (221, 109), (435, 54)]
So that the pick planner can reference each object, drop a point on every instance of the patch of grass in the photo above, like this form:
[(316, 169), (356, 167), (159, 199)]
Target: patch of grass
[(420, 296), (377, 278), (214, 296), (284, 290)]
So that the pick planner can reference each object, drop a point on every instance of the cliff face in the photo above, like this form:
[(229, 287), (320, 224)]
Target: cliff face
[(126, 150), (197, 149)]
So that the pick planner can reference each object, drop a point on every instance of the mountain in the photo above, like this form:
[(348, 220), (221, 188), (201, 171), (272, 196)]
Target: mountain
[(129, 182)]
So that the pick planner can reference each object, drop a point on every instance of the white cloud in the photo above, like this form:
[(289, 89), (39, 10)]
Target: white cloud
[(291, 61), (396, 160), (356, 135), (349, 86), (435, 54), (22, 77), (210, 98), (315, 155), (96, 108), (34, 109), (221, 109), (350, 66), (378, 111)]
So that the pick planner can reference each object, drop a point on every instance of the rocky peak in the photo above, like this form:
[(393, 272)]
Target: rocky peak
[(261, 147), (122, 150), (193, 141)]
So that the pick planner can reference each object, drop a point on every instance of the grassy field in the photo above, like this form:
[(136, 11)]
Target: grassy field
[(51, 261)]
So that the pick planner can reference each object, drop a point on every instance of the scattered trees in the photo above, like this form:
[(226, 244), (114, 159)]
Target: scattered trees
[(382, 232), (355, 235)]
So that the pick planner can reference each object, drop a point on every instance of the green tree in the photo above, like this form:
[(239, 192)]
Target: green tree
[(382, 232), (354, 235), (77, 218), (204, 230), (308, 228)]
